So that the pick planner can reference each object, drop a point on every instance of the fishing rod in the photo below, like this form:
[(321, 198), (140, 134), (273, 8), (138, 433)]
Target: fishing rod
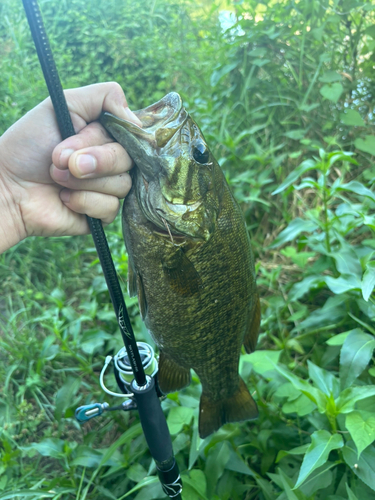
[(135, 365)]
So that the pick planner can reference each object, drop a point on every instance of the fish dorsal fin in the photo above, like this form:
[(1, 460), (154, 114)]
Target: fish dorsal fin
[(181, 273), (251, 335)]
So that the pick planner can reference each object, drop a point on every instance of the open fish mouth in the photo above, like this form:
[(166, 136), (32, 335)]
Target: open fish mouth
[(160, 121)]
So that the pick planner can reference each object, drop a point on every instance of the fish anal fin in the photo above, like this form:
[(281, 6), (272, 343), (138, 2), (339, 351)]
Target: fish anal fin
[(251, 336), (172, 376), (213, 414), (181, 274)]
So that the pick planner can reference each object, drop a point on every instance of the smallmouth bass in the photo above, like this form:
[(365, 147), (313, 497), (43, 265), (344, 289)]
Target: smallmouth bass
[(190, 260)]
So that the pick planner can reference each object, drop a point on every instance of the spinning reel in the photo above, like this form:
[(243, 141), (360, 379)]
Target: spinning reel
[(124, 376)]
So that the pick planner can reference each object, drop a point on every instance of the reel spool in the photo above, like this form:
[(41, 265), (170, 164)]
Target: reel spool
[(122, 367)]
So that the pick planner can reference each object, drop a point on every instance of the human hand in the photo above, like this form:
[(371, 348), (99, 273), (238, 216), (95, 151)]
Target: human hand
[(46, 185)]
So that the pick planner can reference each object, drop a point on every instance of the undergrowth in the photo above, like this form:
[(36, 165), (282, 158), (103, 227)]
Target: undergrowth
[(284, 94)]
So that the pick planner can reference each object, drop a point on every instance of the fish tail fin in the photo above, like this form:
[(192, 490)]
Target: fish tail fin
[(171, 376), (214, 414)]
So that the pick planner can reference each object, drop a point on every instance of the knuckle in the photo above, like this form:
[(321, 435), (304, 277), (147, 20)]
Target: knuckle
[(115, 87), (82, 199)]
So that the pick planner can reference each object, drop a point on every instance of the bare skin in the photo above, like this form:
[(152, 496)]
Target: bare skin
[(47, 186)]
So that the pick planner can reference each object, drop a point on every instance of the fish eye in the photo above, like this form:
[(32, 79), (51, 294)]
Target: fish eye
[(200, 153)]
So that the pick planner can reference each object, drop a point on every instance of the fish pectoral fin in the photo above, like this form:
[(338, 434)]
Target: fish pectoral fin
[(132, 281), (181, 274), (251, 336), (135, 287), (171, 376), (213, 414), (142, 302)]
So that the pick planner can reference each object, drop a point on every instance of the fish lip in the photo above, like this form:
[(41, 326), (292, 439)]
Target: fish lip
[(153, 118)]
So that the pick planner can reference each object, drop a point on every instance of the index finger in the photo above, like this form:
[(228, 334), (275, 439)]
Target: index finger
[(88, 102)]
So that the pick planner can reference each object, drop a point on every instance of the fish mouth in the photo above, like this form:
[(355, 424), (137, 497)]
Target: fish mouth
[(160, 121)]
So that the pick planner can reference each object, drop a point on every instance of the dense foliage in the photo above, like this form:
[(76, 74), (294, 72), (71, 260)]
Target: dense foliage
[(284, 93)]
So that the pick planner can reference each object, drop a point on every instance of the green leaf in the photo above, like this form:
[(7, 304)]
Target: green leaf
[(324, 380), (330, 314), (301, 405), (364, 467), (357, 188), (236, 464), (338, 339), (347, 262), (136, 473), (178, 417), (300, 288), (197, 481), (88, 457), (287, 486), (300, 450), (368, 280), (49, 447), (343, 284), (330, 76), (287, 390), (367, 144), (296, 227), (296, 134), (34, 494), (352, 117), (315, 395), (145, 483), (93, 339), (351, 495), (217, 459), (299, 258), (320, 479), (348, 398), (261, 361), (65, 394), (355, 355), (218, 74), (295, 174), (361, 430), (322, 443), (370, 31), (332, 92), (260, 62)]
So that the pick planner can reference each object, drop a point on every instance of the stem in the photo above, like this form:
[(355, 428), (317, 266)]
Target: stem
[(325, 213)]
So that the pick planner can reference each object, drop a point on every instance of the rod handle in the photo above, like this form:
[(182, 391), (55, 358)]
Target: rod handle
[(157, 435)]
